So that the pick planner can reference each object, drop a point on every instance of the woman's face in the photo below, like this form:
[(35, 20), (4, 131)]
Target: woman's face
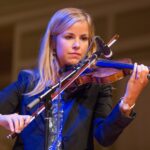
[(72, 44)]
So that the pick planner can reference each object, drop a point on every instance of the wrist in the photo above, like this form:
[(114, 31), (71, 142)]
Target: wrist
[(125, 107)]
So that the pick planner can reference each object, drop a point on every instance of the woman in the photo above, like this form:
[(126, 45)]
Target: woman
[(83, 114)]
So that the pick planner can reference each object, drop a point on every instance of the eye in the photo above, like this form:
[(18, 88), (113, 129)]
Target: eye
[(68, 37), (84, 38)]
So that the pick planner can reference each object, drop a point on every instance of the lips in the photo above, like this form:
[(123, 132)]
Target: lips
[(75, 55)]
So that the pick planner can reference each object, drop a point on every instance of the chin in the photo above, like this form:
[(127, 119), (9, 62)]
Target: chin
[(74, 62)]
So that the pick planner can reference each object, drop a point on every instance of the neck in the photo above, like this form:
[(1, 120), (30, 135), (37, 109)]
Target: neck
[(65, 69)]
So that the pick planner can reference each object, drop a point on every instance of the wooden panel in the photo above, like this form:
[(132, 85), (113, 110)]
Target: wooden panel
[(101, 26), (6, 40), (133, 23), (30, 44)]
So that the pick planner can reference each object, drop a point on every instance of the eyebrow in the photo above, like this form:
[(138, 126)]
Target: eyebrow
[(70, 33)]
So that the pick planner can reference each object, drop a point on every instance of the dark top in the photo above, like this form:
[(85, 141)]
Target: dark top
[(87, 113)]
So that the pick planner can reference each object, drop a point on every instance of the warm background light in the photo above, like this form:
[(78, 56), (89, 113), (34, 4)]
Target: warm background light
[(22, 24)]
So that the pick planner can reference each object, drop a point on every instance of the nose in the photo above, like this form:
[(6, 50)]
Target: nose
[(76, 44)]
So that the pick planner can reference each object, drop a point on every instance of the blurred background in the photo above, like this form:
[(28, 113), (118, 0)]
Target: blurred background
[(22, 25)]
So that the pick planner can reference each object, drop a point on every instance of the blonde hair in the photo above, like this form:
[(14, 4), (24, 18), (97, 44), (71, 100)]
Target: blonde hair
[(48, 66)]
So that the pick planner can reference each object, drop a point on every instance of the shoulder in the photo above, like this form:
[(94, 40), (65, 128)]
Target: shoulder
[(27, 75), (27, 78)]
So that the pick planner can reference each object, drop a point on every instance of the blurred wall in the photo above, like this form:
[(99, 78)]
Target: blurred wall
[(22, 25)]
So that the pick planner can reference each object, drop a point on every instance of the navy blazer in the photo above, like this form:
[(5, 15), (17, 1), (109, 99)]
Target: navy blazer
[(87, 113)]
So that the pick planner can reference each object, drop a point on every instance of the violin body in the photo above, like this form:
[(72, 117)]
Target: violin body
[(102, 75)]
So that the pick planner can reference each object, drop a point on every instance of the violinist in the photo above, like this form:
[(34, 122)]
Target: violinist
[(83, 113)]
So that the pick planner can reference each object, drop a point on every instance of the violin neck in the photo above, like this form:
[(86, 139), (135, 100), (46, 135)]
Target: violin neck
[(115, 64)]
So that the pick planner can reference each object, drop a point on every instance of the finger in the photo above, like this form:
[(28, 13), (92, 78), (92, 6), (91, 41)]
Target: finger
[(145, 68), (145, 72), (138, 71), (16, 123), (11, 125), (21, 122), (133, 76), (27, 119), (148, 74)]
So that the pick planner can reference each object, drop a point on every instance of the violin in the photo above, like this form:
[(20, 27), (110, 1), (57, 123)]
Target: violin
[(106, 72)]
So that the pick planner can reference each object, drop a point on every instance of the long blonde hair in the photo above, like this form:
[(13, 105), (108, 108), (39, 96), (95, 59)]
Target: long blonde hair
[(48, 66)]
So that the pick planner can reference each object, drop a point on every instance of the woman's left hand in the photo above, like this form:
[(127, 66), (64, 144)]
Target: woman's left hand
[(136, 84)]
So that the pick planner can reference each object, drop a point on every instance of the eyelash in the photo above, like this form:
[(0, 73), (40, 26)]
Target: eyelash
[(85, 38), (71, 37), (68, 37)]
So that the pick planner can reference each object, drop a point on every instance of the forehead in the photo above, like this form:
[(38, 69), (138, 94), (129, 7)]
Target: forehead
[(78, 27)]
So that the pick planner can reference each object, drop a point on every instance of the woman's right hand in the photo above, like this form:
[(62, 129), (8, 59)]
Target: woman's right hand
[(14, 122)]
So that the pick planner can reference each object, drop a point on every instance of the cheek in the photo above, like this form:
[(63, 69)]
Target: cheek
[(60, 54), (84, 49), (61, 50)]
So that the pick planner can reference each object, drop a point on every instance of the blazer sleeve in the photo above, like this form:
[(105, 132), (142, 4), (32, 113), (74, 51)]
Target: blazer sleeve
[(10, 97), (109, 122)]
